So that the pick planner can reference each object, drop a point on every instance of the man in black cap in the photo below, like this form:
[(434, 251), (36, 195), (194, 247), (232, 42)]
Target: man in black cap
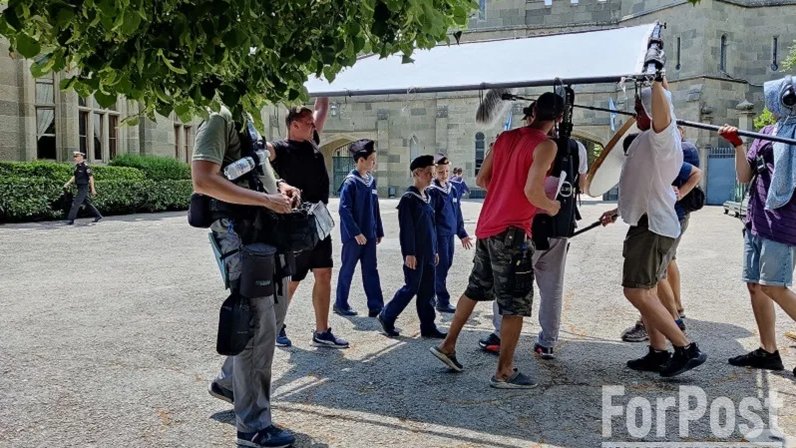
[(84, 179), (360, 230), (418, 238)]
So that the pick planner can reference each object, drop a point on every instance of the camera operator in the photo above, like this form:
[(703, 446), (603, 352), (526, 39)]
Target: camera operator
[(245, 379)]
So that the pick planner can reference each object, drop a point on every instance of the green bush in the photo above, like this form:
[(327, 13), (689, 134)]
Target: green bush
[(154, 167), (33, 191), (29, 198), (63, 171)]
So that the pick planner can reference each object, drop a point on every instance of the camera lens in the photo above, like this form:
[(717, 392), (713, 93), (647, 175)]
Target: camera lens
[(789, 97)]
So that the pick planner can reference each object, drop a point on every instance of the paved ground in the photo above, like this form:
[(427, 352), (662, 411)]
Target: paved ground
[(107, 334)]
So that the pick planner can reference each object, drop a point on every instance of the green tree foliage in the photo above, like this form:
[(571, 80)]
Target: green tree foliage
[(186, 55), (790, 60), (764, 119)]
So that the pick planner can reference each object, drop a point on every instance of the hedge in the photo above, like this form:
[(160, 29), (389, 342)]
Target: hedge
[(36, 198), (154, 167), (63, 171), (33, 191)]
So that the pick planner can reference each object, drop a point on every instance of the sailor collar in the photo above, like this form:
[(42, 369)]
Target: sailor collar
[(412, 191), (446, 190), (367, 181)]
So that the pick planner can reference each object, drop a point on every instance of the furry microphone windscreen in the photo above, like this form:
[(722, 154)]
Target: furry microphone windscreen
[(493, 106)]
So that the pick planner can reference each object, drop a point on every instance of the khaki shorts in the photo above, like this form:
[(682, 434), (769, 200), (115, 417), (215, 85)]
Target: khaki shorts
[(647, 255), (683, 227)]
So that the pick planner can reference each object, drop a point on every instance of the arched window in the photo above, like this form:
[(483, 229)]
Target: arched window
[(723, 53), (479, 151)]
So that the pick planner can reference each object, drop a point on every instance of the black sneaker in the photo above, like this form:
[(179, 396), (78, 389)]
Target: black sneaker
[(344, 311), (98, 219), (328, 339), (684, 359), (680, 324), (544, 352), (221, 393), (759, 359), (374, 313), (433, 334), (389, 329), (448, 358), (270, 437), (490, 344), (446, 309), (653, 361)]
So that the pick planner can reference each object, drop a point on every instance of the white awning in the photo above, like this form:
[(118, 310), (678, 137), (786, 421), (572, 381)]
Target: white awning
[(578, 58)]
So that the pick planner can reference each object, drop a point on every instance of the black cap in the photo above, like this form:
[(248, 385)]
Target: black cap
[(441, 159), (421, 162), (362, 148), (549, 106)]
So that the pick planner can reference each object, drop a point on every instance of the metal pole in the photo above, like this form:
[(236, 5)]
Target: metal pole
[(686, 123)]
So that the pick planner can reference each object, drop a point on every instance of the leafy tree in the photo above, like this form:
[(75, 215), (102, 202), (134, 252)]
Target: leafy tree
[(186, 55), (790, 60)]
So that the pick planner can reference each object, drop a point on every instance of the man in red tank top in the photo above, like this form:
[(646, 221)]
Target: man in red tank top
[(513, 174)]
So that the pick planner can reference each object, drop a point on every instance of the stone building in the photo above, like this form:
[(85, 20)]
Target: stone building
[(719, 54)]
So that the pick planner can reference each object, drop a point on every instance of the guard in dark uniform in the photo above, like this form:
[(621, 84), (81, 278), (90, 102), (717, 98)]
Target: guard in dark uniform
[(449, 223), (418, 238), (84, 179)]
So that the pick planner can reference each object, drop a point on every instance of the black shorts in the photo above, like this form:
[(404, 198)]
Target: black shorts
[(317, 258)]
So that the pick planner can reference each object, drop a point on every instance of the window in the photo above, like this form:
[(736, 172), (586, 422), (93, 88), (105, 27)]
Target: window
[(479, 151), (723, 53), (677, 67), (98, 130), (188, 143), (45, 118), (113, 135), (177, 132), (183, 142), (548, 2), (574, 2), (83, 131), (98, 134), (774, 55)]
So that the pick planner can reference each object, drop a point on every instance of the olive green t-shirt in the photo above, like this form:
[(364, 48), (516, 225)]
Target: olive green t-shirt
[(217, 141)]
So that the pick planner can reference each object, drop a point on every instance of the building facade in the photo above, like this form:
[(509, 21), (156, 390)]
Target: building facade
[(719, 54)]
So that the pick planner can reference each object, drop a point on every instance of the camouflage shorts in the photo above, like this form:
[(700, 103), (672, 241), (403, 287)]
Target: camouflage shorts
[(503, 273)]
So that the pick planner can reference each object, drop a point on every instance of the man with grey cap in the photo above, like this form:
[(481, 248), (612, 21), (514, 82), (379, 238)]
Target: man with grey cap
[(83, 178)]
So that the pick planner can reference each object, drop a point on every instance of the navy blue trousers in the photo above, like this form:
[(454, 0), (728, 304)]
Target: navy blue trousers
[(365, 255), (417, 282), (445, 248)]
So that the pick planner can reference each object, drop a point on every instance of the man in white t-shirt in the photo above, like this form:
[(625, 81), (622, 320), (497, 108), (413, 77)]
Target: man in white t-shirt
[(646, 203)]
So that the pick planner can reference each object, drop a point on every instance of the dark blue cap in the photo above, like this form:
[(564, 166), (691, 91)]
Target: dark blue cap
[(421, 162)]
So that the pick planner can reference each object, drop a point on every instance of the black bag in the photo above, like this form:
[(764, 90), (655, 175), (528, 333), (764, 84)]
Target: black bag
[(299, 230), (257, 270), (199, 211), (541, 230), (235, 326), (694, 200)]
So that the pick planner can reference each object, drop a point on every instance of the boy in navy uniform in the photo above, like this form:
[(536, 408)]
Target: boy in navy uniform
[(418, 238), (360, 230), (449, 223)]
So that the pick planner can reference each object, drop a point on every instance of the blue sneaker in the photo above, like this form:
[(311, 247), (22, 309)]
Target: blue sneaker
[(282, 339), (270, 437), (327, 339)]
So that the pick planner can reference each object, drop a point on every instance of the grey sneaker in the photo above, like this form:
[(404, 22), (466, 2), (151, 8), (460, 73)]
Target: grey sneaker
[(449, 359), (636, 333), (516, 381)]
